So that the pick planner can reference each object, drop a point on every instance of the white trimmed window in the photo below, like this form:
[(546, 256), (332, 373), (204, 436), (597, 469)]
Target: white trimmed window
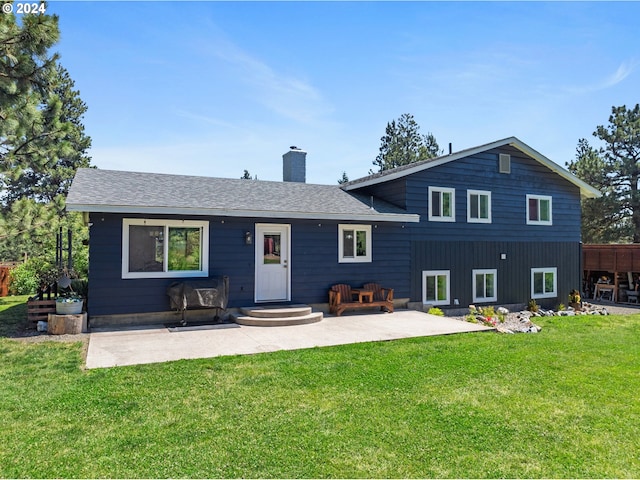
[(164, 248), (435, 287), (442, 204), (539, 210), (544, 282), (478, 206), (485, 285), (354, 243)]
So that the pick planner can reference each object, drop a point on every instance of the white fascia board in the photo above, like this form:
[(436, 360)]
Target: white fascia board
[(429, 164), (402, 173), (586, 190), (123, 209)]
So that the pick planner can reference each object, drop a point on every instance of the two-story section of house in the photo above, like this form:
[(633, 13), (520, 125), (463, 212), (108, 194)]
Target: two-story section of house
[(499, 224), (495, 224)]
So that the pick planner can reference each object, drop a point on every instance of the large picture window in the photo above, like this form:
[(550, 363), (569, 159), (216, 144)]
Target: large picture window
[(485, 286), (354, 243), (539, 210), (442, 204), (544, 282), (164, 248), (435, 287)]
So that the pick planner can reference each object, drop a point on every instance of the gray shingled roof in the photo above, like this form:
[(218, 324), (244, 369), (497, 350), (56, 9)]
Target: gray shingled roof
[(95, 190)]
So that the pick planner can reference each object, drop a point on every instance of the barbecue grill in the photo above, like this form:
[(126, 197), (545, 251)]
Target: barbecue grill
[(210, 293)]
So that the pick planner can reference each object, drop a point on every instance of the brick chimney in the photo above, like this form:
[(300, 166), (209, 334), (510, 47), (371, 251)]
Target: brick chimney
[(294, 168)]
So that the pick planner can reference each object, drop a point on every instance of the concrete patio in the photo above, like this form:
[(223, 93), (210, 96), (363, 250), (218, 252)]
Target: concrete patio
[(158, 344)]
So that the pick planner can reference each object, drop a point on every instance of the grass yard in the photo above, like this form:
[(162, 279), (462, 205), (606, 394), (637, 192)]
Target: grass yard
[(561, 403), (13, 314)]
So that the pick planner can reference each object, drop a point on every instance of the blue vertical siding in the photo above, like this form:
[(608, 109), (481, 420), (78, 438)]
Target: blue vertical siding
[(514, 272)]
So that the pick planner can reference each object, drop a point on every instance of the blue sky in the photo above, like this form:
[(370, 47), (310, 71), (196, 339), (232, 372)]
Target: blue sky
[(213, 88)]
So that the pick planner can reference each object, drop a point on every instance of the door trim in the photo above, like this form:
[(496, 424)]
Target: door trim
[(259, 228)]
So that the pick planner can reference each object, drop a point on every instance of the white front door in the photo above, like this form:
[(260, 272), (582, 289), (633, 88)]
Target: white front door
[(273, 278)]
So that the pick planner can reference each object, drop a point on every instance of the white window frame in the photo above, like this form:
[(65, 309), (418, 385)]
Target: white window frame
[(356, 228), (441, 218), (436, 273), (484, 272), (479, 193), (204, 248), (538, 198), (544, 271)]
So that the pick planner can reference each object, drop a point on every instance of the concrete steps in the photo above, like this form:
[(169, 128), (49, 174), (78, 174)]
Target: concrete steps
[(277, 316)]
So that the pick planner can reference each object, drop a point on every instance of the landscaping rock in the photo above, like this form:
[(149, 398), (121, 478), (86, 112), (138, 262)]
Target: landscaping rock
[(520, 322)]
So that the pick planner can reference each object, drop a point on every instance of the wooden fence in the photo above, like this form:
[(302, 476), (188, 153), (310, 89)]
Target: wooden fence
[(4, 280)]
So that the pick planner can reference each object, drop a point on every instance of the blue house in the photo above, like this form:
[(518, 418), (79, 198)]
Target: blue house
[(494, 224)]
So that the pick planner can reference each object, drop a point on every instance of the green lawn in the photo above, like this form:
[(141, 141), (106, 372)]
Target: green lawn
[(13, 314), (561, 403)]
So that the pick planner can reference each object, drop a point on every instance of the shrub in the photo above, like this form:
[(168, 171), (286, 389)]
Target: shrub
[(23, 280), (28, 276), (471, 318), (436, 311)]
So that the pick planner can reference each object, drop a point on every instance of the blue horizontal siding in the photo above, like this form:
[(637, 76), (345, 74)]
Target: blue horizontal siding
[(508, 199), (314, 263)]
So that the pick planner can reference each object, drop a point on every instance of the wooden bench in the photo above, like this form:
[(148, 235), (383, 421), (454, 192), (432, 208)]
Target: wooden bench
[(343, 297)]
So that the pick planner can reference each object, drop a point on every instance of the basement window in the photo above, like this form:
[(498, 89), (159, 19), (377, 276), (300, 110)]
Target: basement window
[(435, 287), (485, 285), (544, 282)]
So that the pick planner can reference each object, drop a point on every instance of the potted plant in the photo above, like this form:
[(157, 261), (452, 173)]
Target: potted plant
[(574, 299), (69, 304)]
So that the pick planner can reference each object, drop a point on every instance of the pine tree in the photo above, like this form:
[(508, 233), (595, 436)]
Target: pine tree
[(615, 170), (403, 144), (42, 138), (25, 63)]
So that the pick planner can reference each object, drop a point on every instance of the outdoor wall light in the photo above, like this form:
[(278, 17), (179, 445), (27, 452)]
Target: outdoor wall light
[(248, 238)]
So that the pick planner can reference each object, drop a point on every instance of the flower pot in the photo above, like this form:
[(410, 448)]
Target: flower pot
[(69, 308)]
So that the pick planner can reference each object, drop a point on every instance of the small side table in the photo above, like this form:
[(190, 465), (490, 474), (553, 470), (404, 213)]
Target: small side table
[(364, 296)]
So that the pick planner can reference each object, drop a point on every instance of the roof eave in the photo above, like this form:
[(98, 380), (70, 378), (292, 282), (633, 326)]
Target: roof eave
[(148, 210), (586, 190)]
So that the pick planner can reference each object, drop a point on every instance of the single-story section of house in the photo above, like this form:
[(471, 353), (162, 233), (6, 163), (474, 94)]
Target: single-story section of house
[(495, 224)]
